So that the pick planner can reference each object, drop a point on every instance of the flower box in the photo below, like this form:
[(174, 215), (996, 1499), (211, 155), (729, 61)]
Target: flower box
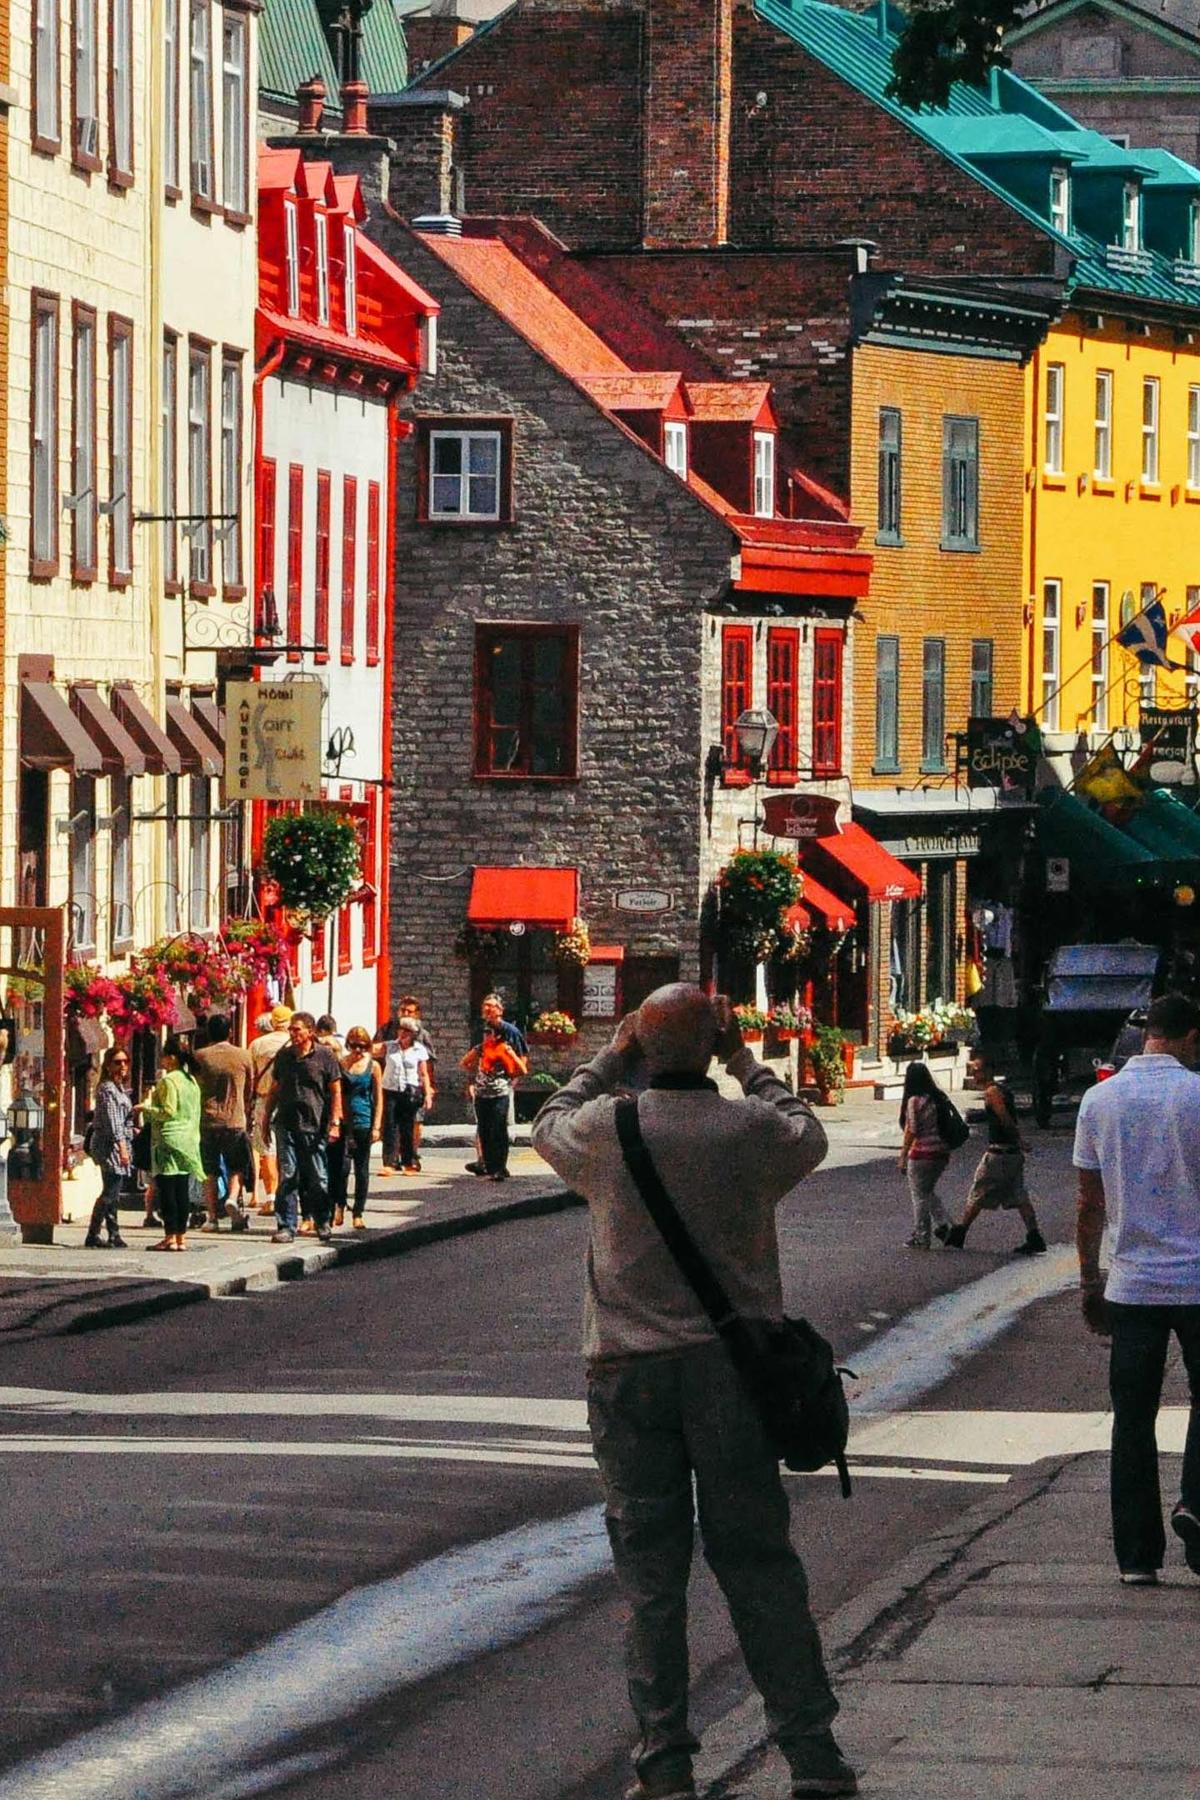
[(551, 1040), (751, 1034), (786, 1035)]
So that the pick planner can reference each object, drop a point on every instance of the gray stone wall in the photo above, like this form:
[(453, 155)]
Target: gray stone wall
[(605, 536)]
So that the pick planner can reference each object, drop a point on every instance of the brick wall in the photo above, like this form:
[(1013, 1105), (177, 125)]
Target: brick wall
[(688, 97), (604, 536)]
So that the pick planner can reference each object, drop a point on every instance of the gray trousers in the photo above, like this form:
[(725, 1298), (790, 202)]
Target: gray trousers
[(660, 1424)]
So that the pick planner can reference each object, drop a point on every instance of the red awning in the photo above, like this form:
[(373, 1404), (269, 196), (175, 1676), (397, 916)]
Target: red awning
[(837, 914), (854, 852), (545, 897)]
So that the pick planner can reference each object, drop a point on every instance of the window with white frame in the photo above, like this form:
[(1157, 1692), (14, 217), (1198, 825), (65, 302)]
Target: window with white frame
[(764, 474), (120, 886), (171, 94), (85, 84), (120, 64), (83, 444), (1100, 637), (44, 436), (1051, 662), (231, 470), (464, 475), (200, 464), (199, 852), (1150, 429), (200, 100), (120, 438), (350, 277), (1193, 437), (83, 863), (1102, 442), (169, 451), (1131, 216), (291, 230), (46, 114), (1056, 380), (234, 118), (1060, 200), (675, 447), (321, 227)]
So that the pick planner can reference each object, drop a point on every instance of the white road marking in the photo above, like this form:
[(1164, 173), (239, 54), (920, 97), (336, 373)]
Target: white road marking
[(441, 1409)]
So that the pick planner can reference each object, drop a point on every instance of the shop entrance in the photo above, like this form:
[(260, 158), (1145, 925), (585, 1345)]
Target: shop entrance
[(32, 940)]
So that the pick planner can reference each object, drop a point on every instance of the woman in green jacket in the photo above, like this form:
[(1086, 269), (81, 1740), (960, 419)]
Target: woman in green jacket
[(173, 1110)]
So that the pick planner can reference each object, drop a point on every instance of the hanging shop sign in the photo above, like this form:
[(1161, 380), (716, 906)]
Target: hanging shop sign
[(801, 816), (273, 740), (643, 900), (1171, 730), (999, 757)]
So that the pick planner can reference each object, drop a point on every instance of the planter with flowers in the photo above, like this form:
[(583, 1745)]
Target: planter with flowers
[(258, 948), (789, 1022), (574, 946), (937, 1029), (145, 1000), (828, 1060), (553, 1030), (751, 1022), (315, 858), (755, 889), (87, 994)]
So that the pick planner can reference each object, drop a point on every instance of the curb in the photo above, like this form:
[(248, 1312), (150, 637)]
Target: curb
[(112, 1309)]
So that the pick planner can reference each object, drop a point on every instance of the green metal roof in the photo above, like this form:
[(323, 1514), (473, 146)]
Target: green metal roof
[(986, 123), (1168, 171), (292, 47)]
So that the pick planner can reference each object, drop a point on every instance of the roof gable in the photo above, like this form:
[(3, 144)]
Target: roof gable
[(1176, 22)]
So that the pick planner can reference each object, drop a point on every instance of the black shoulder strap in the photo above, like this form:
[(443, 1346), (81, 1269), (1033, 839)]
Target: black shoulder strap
[(661, 1207)]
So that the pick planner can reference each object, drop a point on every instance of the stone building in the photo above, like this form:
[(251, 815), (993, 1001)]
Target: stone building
[(581, 616)]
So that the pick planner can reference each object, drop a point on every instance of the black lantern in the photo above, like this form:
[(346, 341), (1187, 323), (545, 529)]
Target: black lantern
[(756, 730)]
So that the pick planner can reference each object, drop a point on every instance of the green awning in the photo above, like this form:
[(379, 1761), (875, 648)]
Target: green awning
[(1166, 827), (1099, 853)]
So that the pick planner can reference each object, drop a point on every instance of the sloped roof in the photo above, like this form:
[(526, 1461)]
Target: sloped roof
[(853, 47), (499, 276), (637, 391), (292, 47), (728, 402)]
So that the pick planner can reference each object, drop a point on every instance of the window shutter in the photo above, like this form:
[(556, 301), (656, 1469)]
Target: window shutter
[(295, 559)]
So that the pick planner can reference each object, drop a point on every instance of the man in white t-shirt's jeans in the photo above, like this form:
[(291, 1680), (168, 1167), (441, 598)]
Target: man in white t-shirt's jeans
[(1137, 1150)]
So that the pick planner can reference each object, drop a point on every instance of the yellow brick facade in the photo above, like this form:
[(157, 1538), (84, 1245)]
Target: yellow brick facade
[(919, 589), (1101, 543)]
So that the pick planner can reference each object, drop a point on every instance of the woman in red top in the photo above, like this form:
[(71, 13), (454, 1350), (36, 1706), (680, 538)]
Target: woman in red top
[(493, 1067)]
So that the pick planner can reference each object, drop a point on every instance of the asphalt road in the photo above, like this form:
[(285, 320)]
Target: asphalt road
[(230, 1472)]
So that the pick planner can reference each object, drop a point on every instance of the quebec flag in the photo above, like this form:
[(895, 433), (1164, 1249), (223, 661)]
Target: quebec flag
[(1146, 636)]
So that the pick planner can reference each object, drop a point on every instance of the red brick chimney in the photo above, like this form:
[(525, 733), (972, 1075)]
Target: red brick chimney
[(354, 108), (689, 104), (310, 98), (430, 36)]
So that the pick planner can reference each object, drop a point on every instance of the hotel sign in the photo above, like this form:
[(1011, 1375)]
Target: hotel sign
[(273, 740)]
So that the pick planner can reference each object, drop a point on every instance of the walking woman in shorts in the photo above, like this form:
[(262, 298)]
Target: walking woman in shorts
[(924, 1156), (999, 1184), (173, 1110)]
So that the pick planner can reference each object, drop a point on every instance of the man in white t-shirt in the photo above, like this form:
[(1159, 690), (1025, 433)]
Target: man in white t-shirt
[(407, 1088), (1137, 1150)]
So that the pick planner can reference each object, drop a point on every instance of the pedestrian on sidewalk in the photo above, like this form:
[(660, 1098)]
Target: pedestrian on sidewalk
[(362, 1123), (493, 1067), (304, 1111), (924, 1155), (666, 1408), (226, 1074), (111, 1147), (999, 1183), (491, 1015), (271, 1029), (174, 1113), (410, 1008), (1137, 1150), (406, 1078)]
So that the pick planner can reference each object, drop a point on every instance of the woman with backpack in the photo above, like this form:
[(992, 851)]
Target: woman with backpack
[(932, 1129)]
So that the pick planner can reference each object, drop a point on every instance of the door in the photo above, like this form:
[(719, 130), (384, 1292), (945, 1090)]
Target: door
[(31, 967)]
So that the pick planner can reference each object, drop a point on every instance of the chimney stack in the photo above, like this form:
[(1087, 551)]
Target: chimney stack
[(310, 98), (354, 108), (689, 107)]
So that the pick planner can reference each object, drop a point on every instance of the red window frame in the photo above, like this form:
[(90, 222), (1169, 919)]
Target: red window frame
[(344, 958), (373, 510), (349, 563), (783, 701), (367, 819), (737, 689), (488, 639), (321, 567), (295, 560), (265, 573), (828, 649)]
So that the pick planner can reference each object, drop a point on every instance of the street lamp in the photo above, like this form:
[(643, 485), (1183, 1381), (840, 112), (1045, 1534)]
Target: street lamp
[(756, 730)]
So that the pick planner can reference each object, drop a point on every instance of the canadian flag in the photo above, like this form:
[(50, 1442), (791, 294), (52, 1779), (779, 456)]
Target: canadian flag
[(1188, 629)]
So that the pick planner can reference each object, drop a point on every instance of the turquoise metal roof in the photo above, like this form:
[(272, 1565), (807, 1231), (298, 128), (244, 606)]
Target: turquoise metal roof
[(292, 47), (1169, 171), (984, 122)]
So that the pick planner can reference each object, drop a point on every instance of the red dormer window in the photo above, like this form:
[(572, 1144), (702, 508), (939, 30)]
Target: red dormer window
[(321, 227), (350, 289), (292, 235)]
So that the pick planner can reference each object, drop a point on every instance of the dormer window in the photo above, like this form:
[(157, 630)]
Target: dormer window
[(292, 251), (764, 474), (1131, 217), (675, 448), (1060, 200), (321, 223), (350, 290)]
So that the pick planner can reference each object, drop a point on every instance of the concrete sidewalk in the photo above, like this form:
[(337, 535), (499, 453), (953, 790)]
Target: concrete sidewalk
[(1003, 1660), (63, 1287)]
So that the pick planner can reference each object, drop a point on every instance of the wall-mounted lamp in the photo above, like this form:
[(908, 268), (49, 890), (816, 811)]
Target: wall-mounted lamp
[(1080, 613), (1082, 484), (756, 730), (1027, 614)]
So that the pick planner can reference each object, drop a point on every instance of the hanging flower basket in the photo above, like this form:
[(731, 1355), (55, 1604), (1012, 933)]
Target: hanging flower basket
[(258, 947), (553, 1030), (574, 947), (145, 1000), (87, 994), (315, 857)]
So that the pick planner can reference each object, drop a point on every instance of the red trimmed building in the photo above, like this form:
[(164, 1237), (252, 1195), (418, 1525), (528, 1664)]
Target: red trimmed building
[(342, 337)]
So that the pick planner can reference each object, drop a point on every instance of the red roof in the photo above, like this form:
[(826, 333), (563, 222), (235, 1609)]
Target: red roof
[(545, 897), (854, 854), (731, 402), (635, 392), (491, 270), (837, 914)]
